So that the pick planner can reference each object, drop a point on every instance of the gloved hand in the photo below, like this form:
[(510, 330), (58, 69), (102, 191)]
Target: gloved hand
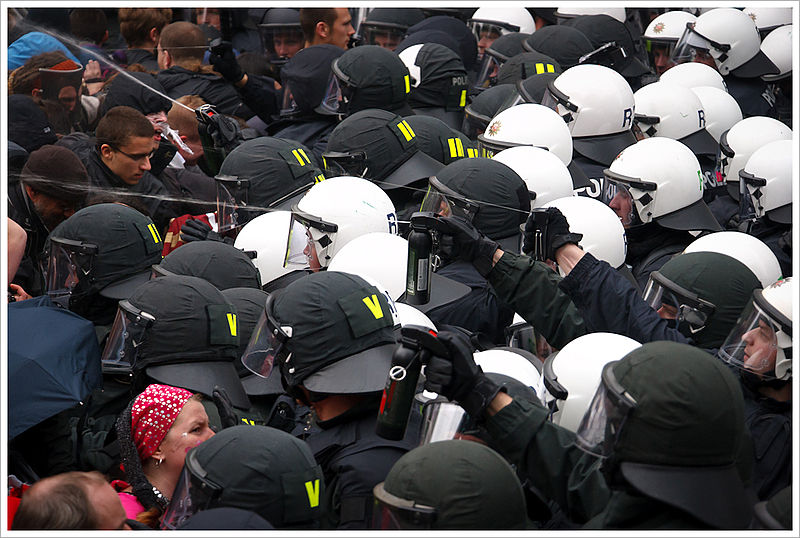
[(547, 230), (458, 378), (459, 239), (197, 230), (224, 407), (224, 61)]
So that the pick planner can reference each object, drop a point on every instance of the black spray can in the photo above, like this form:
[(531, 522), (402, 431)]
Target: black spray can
[(418, 271), (398, 395)]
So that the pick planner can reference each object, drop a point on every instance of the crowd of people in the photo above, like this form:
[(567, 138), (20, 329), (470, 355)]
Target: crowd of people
[(400, 268)]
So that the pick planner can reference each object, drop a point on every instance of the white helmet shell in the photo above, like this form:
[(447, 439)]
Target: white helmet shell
[(747, 136), (732, 27), (769, 18), (578, 367), (355, 205), (379, 255), (409, 57), (671, 166), (749, 250), (529, 124), (569, 11), (543, 172), (668, 27), (603, 233), (503, 361), (779, 296), (721, 109), (266, 235), (777, 46), (506, 18), (410, 315), (692, 74), (677, 109), (772, 163), (604, 100)]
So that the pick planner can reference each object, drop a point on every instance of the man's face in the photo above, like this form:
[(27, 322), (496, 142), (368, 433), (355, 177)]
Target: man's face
[(662, 59), (287, 44), (703, 57), (161, 57), (387, 40), (51, 210), (311, 253), (156, 118), (622, 204), (486, 40), (68, 97), (108, 510), (342, 28), (760, 349), (131, 160), (209, 16)]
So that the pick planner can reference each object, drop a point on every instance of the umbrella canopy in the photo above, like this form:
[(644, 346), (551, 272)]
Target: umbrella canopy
[(53, 362)]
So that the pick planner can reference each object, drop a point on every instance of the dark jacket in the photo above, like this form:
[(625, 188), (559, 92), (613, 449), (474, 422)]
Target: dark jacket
[(650, 246), (144, 57), (312, 134), (478, 311), (752, 96), (21, 211), (355, 459)]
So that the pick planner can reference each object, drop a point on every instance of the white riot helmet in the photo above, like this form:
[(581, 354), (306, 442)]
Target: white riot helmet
[(730, 38), (668, 27), (266, 235), (527, 124), (721, 109), (777, 46), (738, 143), (501, 21), (603, 233), (379, 255), (572, 375), (761, 341), (767, 19), (692, 74), (545, 175), (408, 315), (512, 364), (749, 250), (665, 109), (767, 176), (658, 179), (569, 11), (336, 211)]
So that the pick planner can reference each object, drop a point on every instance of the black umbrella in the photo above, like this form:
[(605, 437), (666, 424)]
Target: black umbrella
[(53, 362)]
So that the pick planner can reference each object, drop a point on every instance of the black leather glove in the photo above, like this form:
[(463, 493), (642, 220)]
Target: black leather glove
[(458, 378), (547, 230), (197, 230), (224, 407), (224, 61), (459, 239)]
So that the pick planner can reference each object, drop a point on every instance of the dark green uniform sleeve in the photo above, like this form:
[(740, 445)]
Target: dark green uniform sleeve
[(547, 455), (531, 288)]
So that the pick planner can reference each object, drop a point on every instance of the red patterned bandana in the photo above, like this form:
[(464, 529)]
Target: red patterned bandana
[(152, 415)]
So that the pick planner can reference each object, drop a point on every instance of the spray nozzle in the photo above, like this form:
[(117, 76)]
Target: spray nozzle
[(172, 135)]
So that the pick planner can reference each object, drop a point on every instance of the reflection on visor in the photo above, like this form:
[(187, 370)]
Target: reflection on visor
[(192, 494), (267, 343), (441, 420), (600, 427), (474, 125), (67, 262), (382, 36), (306, 232), (753, 344), (692, 47), (487, 76), (336, 97), (609, 55), (674, 302), (490, 28), (558, 101), (394, 513), (231, 199), (127, 333), (445, 202), (288, 105), (345, 164), (618, 197)]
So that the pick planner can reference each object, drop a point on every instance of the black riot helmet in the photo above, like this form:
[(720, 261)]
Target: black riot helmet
[(178, 330), (262, 174), (281, 34), (257, 468), (223, 265), (462, 36), (439, 141), (102, 250), (527, 65), (380, 146), (331, 332), (367, 77), (668, 419), (386, 26), (564, 44), (454, 484), (485, 106), (304, 78), (619, 53)]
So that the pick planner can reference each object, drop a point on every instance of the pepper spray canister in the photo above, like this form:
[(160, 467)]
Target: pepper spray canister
[(398, 395), (418, 271)]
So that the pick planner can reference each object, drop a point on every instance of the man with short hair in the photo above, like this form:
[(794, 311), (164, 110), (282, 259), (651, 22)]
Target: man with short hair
[(71, 501), (326, 26), (141, 28)]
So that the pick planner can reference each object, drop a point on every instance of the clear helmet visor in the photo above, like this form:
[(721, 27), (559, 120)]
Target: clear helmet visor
[(753, 344), (68, 262), (558, 101), (335, 99), (487, 74), (393, 513), (725, 155), (442, 420), (673, 302), (617, 195), (382, 36), (191, 495), (127, 334), (267, 344), (693, 47), (446, 203), (601, 424), (281, 42), (474, 125), (750, 196), (288, 104), (345, 164), (309, 242), (231, 202)]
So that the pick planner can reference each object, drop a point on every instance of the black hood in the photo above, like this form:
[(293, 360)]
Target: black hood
[(307, 73), (27, 124), (126, 92), (443, 79), (461, 34), (602, 29)]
